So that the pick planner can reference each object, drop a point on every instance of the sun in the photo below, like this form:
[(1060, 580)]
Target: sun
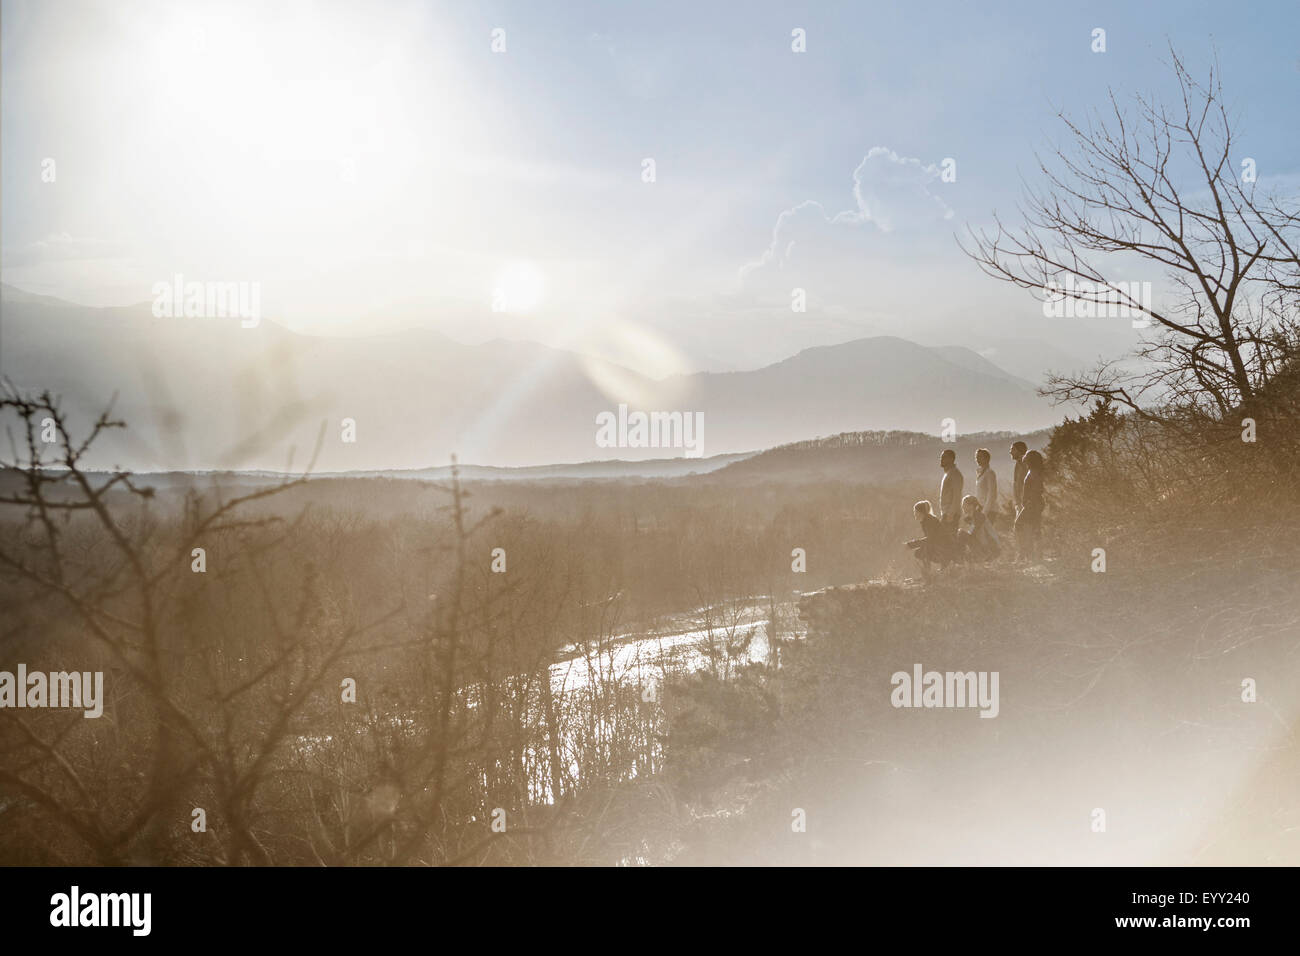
[(519, 286)]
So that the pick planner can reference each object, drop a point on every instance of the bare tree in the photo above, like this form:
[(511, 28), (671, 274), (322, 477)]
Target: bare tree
[(121, 577), (1159, 188)]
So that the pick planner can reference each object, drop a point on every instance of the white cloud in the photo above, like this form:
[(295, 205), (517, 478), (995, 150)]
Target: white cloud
[(891, 190), (890, 193), (809, 211), (63, 246)]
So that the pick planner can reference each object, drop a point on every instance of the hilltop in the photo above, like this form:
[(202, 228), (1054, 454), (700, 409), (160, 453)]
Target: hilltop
[(876, 457)]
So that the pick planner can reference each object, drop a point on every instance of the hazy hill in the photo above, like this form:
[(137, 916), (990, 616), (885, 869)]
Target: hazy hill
[(651, 468), (878, 457), (205, 393)]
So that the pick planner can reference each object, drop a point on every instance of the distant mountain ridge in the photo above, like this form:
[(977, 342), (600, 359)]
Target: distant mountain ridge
[(877, 457), (207, 394)]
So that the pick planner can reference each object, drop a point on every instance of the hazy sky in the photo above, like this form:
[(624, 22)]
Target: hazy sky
[(377, 164)]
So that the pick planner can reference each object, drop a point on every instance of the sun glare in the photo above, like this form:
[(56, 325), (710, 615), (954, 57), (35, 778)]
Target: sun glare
[(519, 286), (295, 133)]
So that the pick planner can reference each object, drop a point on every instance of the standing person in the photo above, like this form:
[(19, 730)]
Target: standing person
[(986, 484), (950, 492), (1029, 522), (1018, 450)]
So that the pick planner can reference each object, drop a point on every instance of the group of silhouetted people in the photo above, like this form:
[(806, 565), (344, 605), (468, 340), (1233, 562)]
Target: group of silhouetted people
[(966, 528)]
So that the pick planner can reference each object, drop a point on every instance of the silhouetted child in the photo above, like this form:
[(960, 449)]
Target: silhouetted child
[(977, 539), (937, 547)]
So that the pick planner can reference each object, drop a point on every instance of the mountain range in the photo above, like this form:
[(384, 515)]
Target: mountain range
[(202, 393)]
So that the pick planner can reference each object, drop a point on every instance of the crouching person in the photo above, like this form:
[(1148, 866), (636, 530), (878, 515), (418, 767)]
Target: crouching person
[(937, 546)]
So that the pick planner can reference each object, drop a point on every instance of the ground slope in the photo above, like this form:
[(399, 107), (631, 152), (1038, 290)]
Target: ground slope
[(1119, 691)]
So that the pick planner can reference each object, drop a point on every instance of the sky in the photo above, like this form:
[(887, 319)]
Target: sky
[(380, 165)]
